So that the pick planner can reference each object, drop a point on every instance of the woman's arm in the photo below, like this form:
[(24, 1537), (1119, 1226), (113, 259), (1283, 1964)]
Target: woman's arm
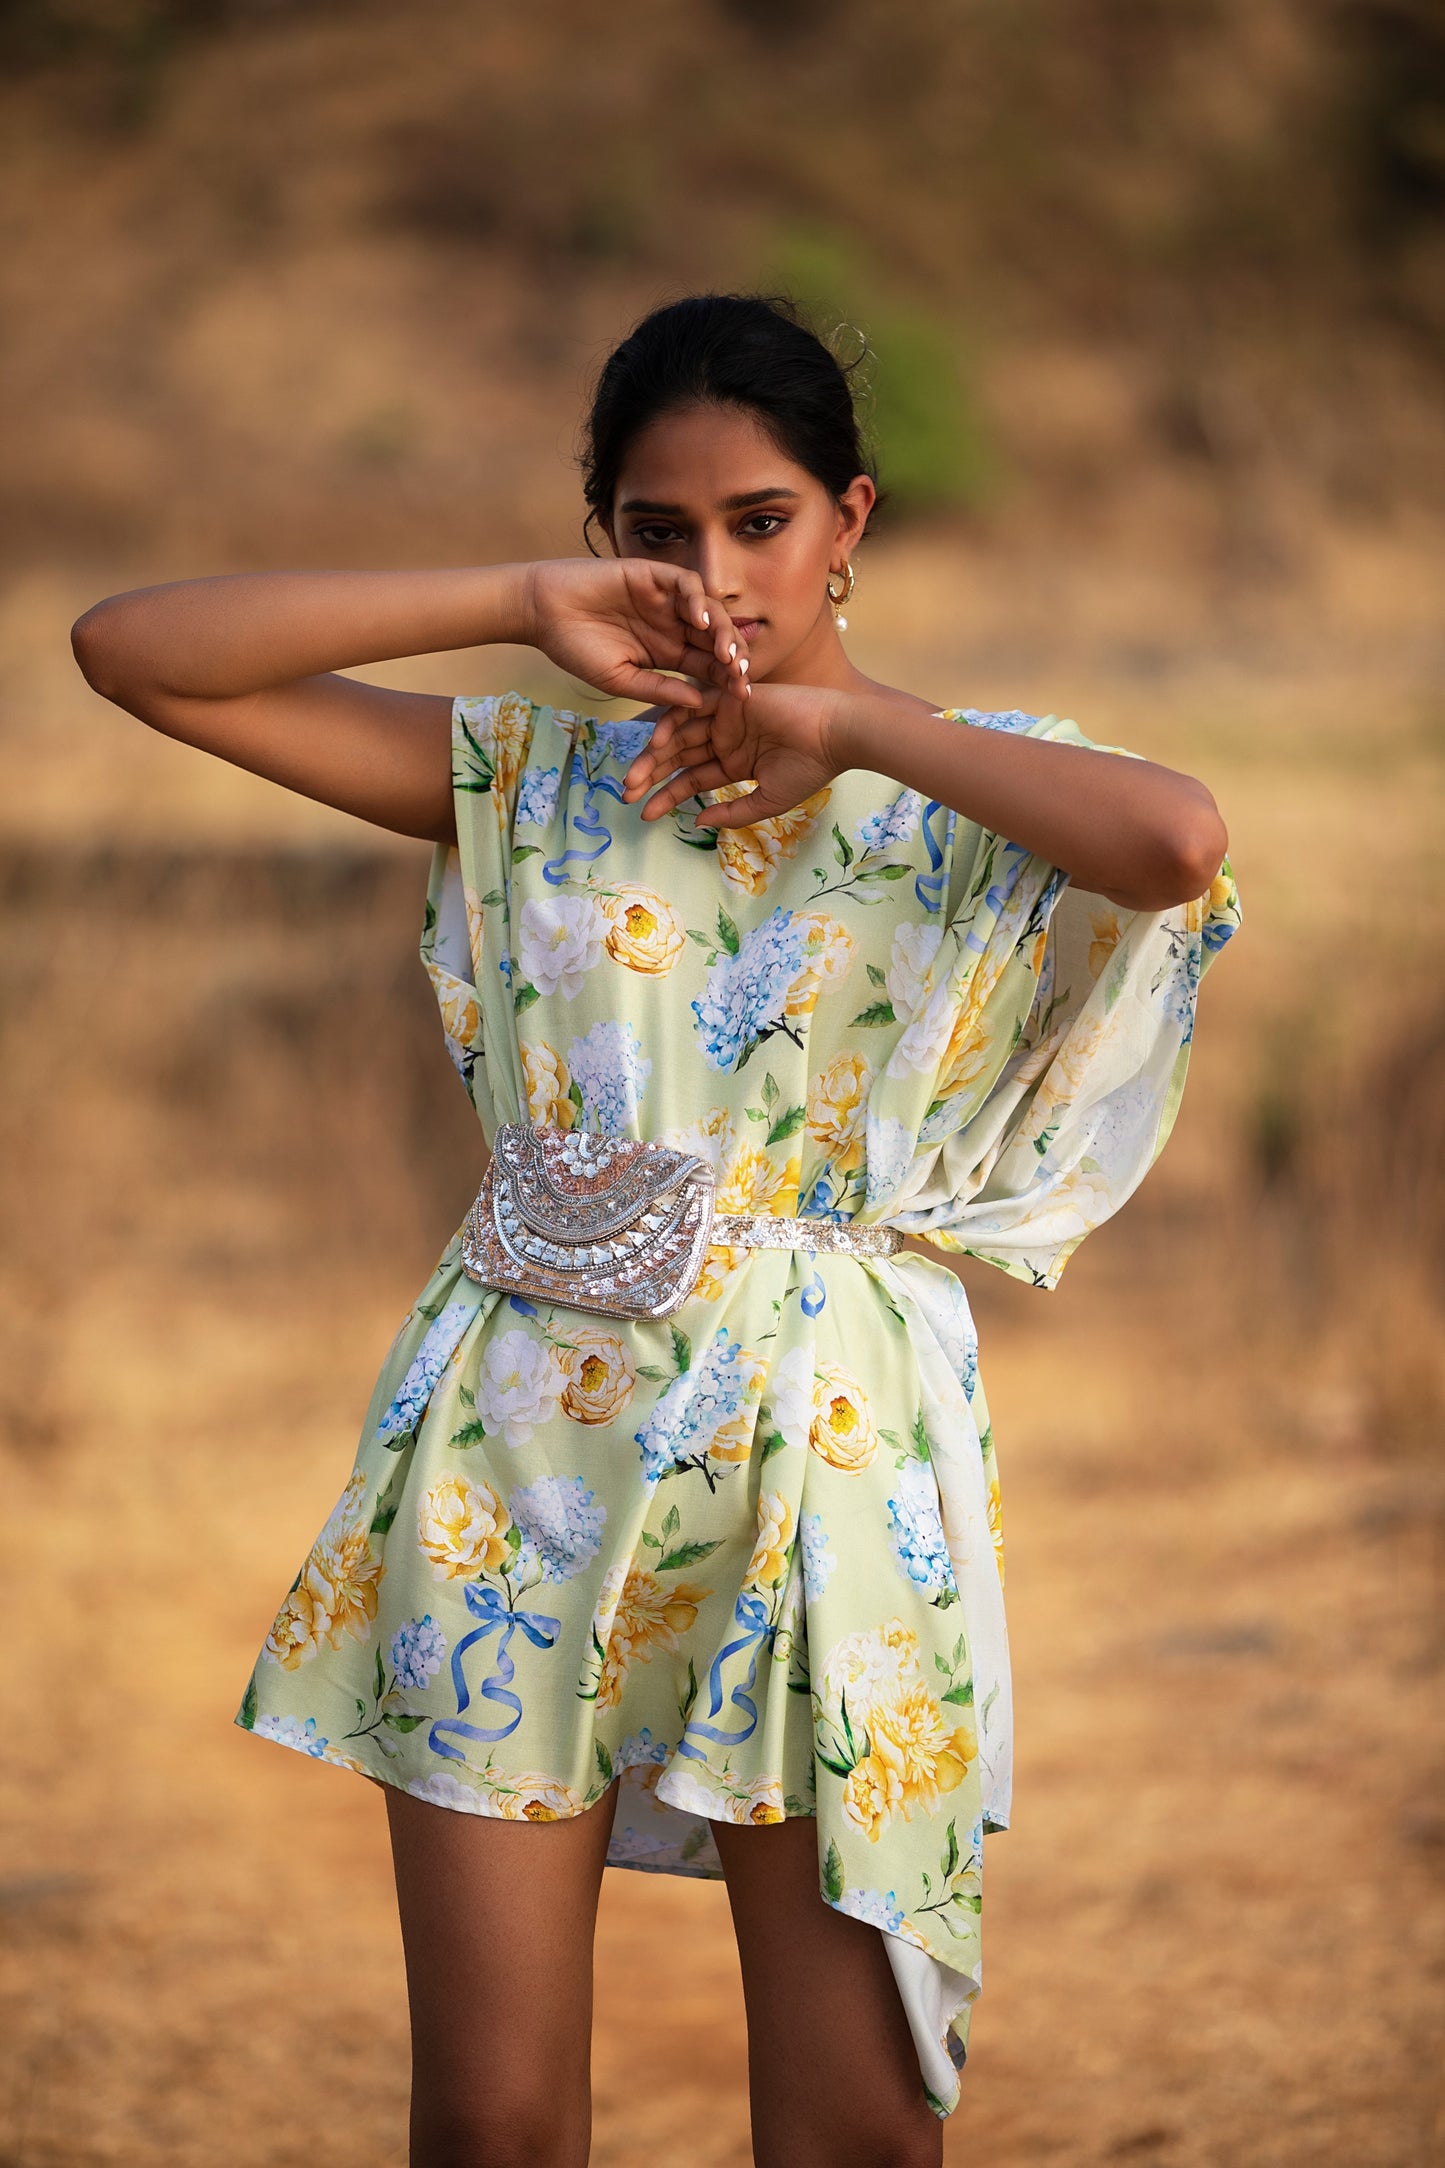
[(1142, 835), (244, 666)]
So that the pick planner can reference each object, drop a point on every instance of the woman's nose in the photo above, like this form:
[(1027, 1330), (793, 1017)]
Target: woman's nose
[(717, 566)]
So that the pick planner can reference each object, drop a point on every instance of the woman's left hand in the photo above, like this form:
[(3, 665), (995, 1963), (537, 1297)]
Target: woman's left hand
[(778, 738)]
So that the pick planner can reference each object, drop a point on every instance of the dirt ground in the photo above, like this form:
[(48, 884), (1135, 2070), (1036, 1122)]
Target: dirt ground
[(1213, 1933)]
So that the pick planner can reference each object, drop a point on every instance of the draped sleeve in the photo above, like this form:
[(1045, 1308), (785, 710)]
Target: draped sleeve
[(1054, 1035), (465, 945)]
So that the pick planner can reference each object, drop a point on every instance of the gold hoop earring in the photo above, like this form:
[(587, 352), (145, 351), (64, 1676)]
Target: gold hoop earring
[(850, 581)]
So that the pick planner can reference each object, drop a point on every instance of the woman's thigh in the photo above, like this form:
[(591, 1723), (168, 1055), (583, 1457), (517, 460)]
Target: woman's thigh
[(497, 1921), (832, 2069)]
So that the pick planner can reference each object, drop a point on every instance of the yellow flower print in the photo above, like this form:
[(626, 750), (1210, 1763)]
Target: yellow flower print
[(733, 1440), (600, 1376), (462, 1527), (336, 1591), (511, 727), (461, 1017), (838, 1108), (769, 1562), (711, 1137), (756, 1182), (1105, 927), (842, 1431), (651, 1614), (749, 858), (828, 952), (536, 1799), (718, 1266), (872, 1795), (907, 1733), (995, 1521), (643, 932), (548, 1084), (1218, 898), (473, 904)]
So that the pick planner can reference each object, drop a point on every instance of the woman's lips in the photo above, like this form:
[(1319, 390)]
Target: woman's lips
[(749, 627)]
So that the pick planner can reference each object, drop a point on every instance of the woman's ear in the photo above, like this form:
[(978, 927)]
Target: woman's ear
[(856, 502)]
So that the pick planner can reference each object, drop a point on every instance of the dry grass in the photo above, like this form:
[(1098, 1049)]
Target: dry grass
[(1215, 1925)]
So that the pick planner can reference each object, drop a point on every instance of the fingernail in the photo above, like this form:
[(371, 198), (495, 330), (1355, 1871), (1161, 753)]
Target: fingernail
[(705, 618), (732, 649), (743, 664)]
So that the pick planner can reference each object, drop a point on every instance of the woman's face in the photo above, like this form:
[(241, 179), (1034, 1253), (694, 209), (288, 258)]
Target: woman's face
[(706, 487)]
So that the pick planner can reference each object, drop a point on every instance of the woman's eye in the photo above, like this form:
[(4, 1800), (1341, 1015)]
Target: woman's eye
[(764, 523), (655, 538)]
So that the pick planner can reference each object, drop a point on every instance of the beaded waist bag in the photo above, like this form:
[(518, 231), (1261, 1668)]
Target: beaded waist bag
[(616, 1224)]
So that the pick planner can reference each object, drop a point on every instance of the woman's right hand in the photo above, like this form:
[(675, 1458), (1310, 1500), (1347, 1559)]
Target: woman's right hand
[(618, 623)]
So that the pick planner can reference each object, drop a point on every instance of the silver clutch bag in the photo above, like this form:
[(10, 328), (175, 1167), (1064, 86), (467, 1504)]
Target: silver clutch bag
[(611, 1224)]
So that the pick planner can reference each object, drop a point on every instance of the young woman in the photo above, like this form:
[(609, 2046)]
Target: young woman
[(718, 1591)]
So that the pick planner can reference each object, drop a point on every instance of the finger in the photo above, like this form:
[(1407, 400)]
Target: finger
[(709, 628), (756, 805), (671, 794), (630, 681)]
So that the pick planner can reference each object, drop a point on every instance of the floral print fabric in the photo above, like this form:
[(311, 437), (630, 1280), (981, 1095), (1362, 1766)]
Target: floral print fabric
[(747, 1562)]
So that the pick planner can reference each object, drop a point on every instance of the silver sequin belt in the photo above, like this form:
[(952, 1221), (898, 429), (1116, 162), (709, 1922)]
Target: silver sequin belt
[(766, 1231)]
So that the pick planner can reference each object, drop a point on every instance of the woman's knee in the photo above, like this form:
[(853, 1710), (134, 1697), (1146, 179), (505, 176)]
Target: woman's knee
[(538, 2132)]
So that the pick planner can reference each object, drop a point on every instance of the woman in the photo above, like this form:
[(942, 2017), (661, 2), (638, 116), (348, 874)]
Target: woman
[(714, 1592)]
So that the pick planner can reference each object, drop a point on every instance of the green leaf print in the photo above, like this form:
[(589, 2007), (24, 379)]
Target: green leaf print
[(495, 897), (524, 850), (771, 1093), (877, 1012), (249, 1704), (681, 1350), (727, 932), (654, 1543), (686, 1554), (671, 1522), (842, 848), (774, 1442), (466, 1396), (685, 1701), (833, 1884), (961, 1694), (920, 1436), (882, 873), (786, 1125), (950, 1857), (469, 1434), (655, 1372), (604, 1762), (402, 1723), (523, 996), (380, 1676)]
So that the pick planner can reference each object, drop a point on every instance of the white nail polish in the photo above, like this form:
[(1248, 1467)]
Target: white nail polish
[(743, 664), (706, 619), (732, 650)]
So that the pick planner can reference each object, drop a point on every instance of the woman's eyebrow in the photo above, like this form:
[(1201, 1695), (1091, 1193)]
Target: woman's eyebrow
[(726, 504)]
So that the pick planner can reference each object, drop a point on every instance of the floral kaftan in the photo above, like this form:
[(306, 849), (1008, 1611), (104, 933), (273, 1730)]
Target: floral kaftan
[(746, 1561)]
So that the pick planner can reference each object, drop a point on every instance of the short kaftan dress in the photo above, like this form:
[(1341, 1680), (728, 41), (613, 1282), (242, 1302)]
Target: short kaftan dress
[(748, 1560)]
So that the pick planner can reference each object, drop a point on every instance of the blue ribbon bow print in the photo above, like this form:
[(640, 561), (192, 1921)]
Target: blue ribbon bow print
[(484, 1603), (752, 1614), (928, 887), (587, 823)]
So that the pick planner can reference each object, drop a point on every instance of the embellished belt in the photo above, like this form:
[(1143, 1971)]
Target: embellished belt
[(618, 1225)]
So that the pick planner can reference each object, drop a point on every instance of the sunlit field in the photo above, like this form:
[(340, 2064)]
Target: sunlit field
[(232, 1148)]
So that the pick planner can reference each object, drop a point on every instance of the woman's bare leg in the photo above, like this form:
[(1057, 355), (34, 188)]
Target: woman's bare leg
[(832, 2069), (497, 1920)]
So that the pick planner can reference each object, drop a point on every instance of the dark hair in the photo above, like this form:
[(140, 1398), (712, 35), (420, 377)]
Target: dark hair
[(739, 350)]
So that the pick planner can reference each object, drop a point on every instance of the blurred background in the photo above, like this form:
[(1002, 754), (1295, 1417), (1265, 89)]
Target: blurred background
[(1154, 293)]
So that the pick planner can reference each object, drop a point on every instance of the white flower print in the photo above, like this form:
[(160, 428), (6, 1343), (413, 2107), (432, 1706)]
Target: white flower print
[(445, 1790), (915, 944), (890, 1155), (519, 1383), (792, 1394), (922, 1045), (561, 939)]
